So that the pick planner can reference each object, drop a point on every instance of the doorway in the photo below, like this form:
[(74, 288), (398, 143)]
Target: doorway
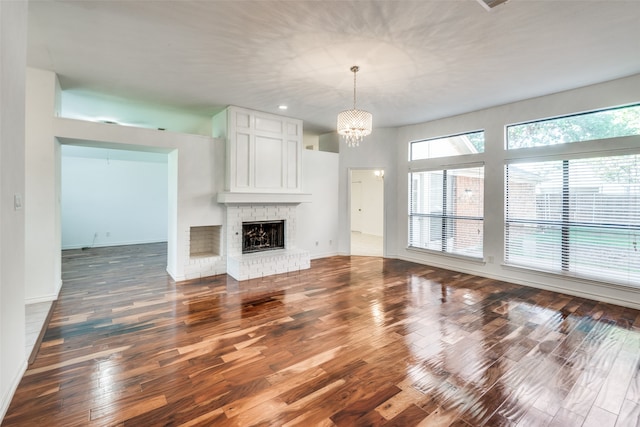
[(367, 212), (112, 197)]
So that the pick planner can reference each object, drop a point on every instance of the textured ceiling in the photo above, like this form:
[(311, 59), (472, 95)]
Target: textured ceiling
[(419, 60)]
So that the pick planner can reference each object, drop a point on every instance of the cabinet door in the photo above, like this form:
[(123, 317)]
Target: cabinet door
[(264, 152)]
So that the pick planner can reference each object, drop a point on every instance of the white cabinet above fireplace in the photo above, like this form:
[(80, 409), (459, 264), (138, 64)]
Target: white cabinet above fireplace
[(264, 151)]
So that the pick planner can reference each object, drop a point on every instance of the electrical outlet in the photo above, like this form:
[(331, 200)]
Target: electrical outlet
[(317, 243), (108, 234)]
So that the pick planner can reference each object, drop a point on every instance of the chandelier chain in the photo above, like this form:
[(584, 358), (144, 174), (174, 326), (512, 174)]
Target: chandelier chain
[(355, 71)]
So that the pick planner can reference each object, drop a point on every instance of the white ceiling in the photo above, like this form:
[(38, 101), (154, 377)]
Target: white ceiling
[(419, 60)]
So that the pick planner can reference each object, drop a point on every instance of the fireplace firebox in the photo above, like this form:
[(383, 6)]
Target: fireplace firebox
[(260, 236)]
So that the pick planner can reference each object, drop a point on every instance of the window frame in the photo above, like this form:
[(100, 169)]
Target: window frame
[(585, 149), (435, 138), (444, 218), (565, 116)]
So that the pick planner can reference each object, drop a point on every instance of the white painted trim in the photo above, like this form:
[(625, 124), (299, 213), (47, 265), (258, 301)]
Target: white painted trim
[(384, 236), (454, 256), (173, 275), (121, 243), (6, 399), (44, 298), (263, 198), (324, 255), (532, 284)]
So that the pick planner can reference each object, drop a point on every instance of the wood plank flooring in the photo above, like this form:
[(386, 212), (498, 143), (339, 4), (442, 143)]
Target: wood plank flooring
[(353, 341)]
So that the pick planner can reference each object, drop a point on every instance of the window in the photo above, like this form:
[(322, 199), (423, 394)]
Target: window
[(579, 216), (446, 210), (454, 145), (610, 123)]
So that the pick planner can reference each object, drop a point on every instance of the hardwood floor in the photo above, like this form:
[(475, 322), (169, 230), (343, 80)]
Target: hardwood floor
[(354, 341)]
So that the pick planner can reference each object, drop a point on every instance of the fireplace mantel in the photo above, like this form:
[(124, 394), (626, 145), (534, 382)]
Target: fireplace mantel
[(239, 198)]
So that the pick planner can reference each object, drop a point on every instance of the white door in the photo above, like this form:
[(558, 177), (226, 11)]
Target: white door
[(356, 206)]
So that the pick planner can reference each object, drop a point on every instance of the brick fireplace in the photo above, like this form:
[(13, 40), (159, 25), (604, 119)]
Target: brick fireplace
[(244, 266), (262, 185)]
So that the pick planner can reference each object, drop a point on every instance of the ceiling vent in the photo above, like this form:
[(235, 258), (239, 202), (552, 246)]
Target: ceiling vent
[(490, 4)]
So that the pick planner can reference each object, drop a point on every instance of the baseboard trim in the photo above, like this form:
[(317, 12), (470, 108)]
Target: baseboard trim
[(6, 399), (43, 330), (46, 298), (531, 283), (324, 255), (91, 245)]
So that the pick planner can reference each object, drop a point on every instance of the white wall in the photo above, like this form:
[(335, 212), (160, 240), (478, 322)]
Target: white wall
[(196, 175), (99, 107), (378, 151), (13, 57), (42, 211), (493, 120), (113, 197), (329, 142), (371, 221), (318, 220)]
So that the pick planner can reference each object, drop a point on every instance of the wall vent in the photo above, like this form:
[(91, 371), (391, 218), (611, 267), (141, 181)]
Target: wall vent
[(490, 4)]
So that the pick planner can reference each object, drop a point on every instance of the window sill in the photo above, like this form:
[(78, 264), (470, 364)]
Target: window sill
[(466, 258)]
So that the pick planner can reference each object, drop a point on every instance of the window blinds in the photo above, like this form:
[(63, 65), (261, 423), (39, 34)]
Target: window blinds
[(446, 211), (578, 217)]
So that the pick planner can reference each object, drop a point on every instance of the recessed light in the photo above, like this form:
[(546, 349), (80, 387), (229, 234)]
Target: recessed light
[(282, 107)]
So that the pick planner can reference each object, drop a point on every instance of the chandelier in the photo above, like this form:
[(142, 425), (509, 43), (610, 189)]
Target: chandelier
[(354, 125)]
